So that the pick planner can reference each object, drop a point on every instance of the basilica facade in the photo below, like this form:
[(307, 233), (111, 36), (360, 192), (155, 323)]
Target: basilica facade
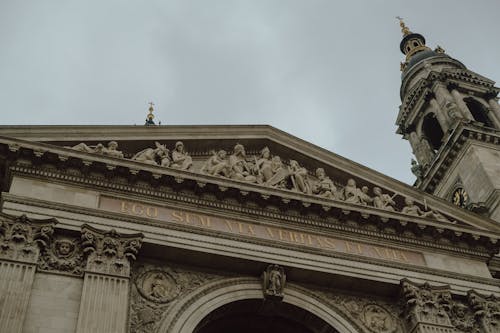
[(182, 229)]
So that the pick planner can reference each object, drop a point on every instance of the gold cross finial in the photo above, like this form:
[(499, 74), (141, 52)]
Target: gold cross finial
[(404, 28)]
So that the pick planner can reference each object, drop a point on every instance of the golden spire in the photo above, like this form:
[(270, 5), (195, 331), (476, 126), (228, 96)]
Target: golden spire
[(149, 119), (404, 29)]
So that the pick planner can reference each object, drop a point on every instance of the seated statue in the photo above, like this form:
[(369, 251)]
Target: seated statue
[(154, 156), (180, 159), (383, 201), (280, 173), (351, 192), (239, 168), (112, 150), (216, 165), (411, 208), (298, 175), (324, 187), (364, 198)]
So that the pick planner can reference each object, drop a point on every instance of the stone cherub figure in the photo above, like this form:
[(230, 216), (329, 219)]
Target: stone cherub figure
[(154, 156), (181, 159), (217, 165)]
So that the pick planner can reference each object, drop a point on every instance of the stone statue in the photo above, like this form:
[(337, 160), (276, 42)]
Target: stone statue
[(416, 169), (274, 282), (411, 208), (217, 165), (383, 201), (64, 248), (324, 187), (158, 289), (111, 150), (180, 159), (280, 174), (364, 198), (239, 168), (263, 166), (154, 156), (298, 175)]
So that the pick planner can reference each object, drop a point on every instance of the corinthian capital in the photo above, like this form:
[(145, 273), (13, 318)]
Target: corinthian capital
[(21, 237), (109, 252)]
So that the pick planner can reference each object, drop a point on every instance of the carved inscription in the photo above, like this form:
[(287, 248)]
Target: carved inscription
[(245, 229)]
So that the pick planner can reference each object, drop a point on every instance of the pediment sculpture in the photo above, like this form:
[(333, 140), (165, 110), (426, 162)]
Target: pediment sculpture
[(267, 170)]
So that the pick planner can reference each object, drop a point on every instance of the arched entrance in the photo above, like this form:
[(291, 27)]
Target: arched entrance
[(256, 315), (195, 310)]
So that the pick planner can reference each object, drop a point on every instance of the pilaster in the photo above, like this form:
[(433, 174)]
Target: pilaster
[(105, 296), (20, 241)]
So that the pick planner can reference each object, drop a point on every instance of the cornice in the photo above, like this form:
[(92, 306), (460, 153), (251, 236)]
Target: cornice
[(283, 246)]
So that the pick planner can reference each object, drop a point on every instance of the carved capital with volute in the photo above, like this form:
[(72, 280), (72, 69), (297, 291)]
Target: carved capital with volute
[(21, 238), (109, 252), (425, 305), (486, 311)]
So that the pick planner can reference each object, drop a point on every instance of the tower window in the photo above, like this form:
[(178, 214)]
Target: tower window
[(432, 131), (478, 111)]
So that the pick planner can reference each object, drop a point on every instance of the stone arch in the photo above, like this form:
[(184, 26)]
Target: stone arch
[(479, 111), (186, 313), (431, 130)]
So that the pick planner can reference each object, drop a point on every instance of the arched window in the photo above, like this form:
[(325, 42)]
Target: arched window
[(432, 131), (478, 111)]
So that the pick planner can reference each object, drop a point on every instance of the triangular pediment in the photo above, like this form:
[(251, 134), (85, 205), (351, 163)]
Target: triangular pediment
[(351, 184)]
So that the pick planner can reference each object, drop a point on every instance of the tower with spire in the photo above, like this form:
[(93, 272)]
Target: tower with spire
[(451, 117)]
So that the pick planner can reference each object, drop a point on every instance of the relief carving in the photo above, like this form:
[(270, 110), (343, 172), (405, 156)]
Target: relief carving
[(378, 320), (21, 238), (486, 311), (461, 317), (64, 255), (425, 304), (154, 290), (109, 252), (273, 282), (271, 171)]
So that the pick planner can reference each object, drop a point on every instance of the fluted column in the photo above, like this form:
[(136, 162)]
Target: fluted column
[(425, 308), (20, 241), (104, 303)]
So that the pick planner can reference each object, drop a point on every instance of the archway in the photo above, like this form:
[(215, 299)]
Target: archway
[(187, 314), (478, 111), (432, 131), (256, 315)]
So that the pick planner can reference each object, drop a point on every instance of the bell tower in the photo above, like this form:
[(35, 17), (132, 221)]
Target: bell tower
[(451, 118)]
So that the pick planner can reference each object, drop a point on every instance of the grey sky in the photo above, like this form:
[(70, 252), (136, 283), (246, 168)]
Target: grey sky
[(325, 71)]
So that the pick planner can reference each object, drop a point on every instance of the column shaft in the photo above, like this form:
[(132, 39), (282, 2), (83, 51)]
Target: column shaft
[(16, 280)]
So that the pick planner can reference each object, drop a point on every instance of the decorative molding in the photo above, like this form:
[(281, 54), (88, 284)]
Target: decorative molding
[(109, 252)]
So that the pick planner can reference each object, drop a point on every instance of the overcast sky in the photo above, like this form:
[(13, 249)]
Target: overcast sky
[(325, 71)]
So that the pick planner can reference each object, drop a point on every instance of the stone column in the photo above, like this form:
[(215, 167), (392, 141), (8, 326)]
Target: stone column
[(461, 105), (425, 308), (441, 115), (104, 304), (495, 111), (20, 241)]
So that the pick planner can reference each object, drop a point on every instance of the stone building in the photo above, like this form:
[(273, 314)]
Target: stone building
[(181, 229)]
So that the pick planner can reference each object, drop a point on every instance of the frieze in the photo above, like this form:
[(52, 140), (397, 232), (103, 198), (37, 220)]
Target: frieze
[(372, 314), (154, 289), (262, 232)]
